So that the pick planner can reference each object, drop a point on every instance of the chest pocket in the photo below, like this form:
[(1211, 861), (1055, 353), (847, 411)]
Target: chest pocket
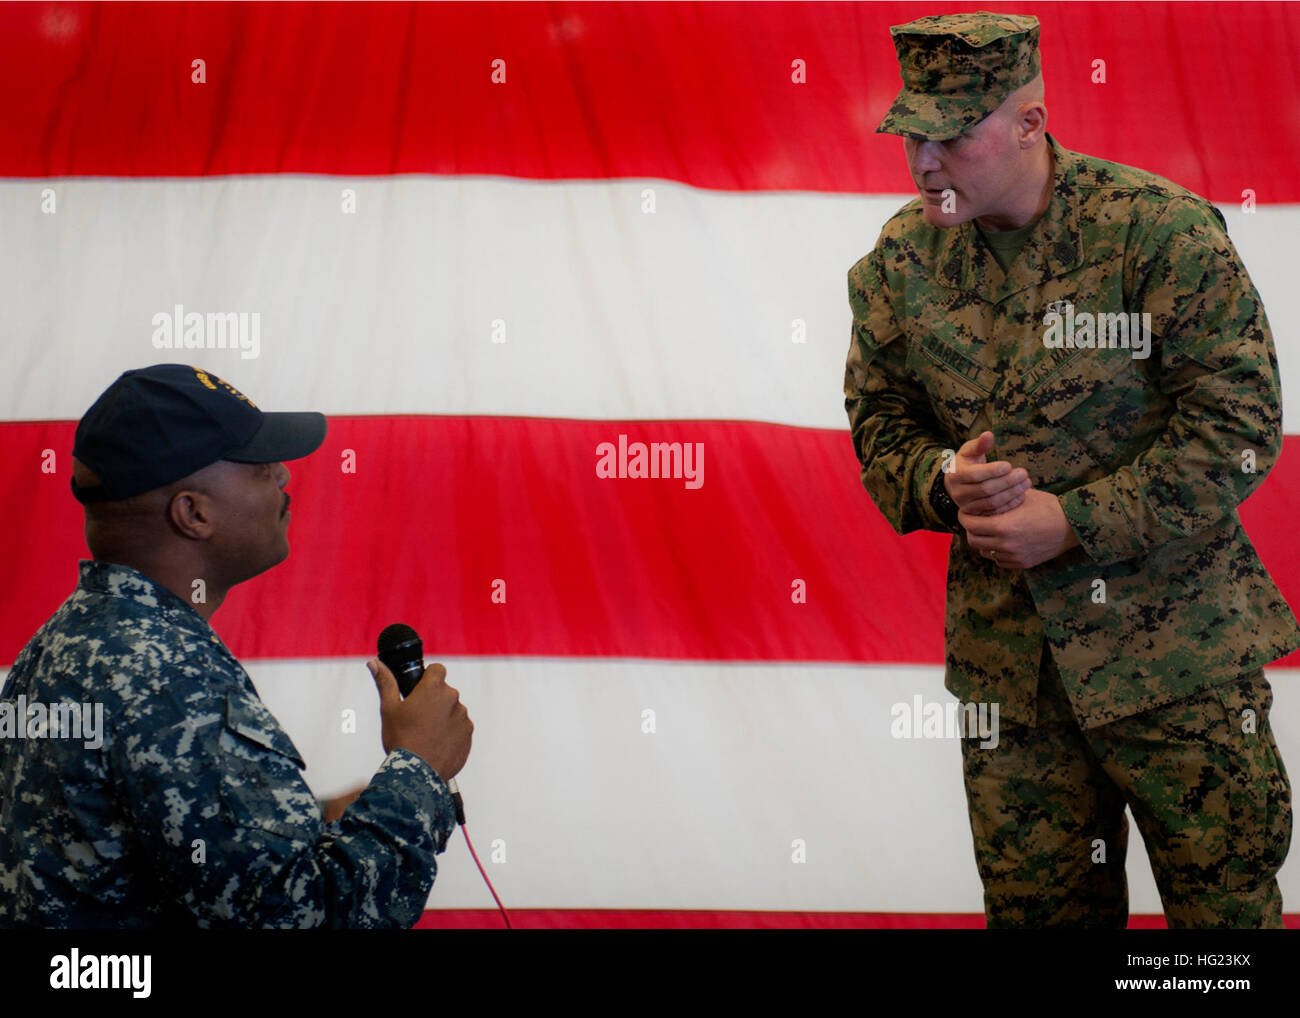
[(1102, 401), (261, 785), (1093, 389), (958, 387)]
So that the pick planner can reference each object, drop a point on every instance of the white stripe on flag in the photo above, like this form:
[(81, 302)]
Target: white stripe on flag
[(609, 312), (703, 813)]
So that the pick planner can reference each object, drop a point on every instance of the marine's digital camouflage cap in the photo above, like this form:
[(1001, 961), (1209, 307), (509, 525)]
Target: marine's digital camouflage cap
[(957, 69)]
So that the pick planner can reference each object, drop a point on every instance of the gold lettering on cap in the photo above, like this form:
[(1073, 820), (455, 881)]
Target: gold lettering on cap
[(203, 377)]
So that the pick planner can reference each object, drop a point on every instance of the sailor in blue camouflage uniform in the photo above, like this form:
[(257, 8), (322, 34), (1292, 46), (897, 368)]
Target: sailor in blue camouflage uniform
[(193, 810)]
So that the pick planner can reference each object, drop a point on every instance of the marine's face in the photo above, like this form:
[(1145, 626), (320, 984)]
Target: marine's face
[(979, 167)]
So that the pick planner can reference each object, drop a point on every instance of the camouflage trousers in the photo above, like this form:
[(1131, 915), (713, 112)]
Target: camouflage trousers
[(1210, 796)]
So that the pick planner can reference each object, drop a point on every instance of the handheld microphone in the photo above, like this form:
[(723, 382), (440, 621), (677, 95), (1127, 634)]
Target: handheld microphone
[(402, 652)]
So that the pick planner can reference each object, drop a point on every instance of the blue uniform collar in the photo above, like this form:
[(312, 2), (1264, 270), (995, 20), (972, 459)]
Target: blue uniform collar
[(113, 579)]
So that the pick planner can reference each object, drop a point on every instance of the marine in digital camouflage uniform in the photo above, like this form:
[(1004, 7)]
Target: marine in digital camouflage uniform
[(1128, 666), (193, 811)]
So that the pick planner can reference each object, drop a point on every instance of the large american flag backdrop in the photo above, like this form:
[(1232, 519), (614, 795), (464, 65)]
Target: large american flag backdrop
[(485, 239)]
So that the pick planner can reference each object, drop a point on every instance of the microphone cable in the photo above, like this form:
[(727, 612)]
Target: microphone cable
[(460, 819)]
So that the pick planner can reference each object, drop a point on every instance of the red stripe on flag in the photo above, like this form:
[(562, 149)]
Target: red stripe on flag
[(701, 93), (704, 919), (692, 919), (440, 508)]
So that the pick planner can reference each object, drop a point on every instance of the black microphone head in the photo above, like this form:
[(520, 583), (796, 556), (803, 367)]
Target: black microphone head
[(402, 651), (395, 635)]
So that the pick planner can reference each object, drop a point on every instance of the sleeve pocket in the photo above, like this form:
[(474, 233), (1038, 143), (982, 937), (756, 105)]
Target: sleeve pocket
[(261, 783)]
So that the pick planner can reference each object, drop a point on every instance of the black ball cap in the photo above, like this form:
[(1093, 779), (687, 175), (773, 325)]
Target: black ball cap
[(158, 424)]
